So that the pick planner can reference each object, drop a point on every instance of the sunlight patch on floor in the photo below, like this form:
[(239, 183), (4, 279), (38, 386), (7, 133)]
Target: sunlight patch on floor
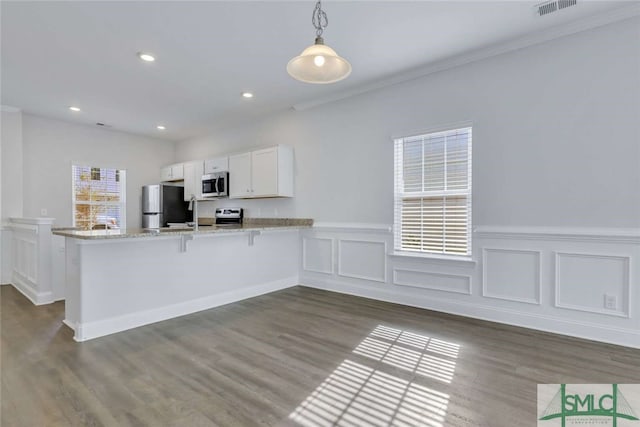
[(357, 394), (412, 352)]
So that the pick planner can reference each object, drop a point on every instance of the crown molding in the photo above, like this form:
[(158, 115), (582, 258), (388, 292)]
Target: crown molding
[(543, 36)]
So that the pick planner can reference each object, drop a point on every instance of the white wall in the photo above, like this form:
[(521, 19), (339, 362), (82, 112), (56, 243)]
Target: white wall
[(10, 182), (12, 158), (556, 175), (51, 146), (555, 127)]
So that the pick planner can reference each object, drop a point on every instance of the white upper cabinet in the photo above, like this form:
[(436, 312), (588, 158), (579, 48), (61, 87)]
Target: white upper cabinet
[(165, 173), (264, 176), (219, 164), (172, 172), (262, 173), (193, 172), (240, 176)]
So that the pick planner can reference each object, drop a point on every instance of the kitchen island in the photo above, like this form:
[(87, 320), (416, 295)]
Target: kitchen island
[(121, 279)]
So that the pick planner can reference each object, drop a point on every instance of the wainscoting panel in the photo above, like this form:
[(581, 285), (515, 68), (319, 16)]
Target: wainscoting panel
[(511, 275), (584, 280), (432, 281), (317, 254), (31, 258), (552, 278), (362, 259), (26, 258)]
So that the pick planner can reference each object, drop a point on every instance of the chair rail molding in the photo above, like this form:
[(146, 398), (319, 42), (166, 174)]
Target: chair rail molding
[(353, 227), (597, 234)]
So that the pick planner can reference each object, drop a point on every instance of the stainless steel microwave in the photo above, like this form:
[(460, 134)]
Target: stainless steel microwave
[(215, 184)]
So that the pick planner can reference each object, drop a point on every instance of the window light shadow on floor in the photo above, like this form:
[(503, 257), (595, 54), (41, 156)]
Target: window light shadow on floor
[(363, 394)]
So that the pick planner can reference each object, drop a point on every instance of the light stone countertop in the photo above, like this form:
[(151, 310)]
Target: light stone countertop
[(249, 224)]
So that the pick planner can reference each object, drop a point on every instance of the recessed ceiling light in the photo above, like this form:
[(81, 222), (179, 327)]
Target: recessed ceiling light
[(76, 109), (160, 127), (147, 57), (247, 95)]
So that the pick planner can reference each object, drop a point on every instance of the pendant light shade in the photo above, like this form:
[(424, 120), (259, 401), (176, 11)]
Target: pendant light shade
[(319, 63)]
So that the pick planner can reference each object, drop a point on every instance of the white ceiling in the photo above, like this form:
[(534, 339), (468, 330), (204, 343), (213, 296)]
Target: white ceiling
[(57, 54)]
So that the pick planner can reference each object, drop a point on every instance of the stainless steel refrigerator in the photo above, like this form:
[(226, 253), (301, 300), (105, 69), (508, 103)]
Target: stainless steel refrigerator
[(162, 204)]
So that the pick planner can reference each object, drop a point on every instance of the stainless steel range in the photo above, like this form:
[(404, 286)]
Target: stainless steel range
[(229, 216)]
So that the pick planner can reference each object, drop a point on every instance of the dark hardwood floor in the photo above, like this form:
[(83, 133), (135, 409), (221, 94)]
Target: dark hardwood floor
[(299, 357)]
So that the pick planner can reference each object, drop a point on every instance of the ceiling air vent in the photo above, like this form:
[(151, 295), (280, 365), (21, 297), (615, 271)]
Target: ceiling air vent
[(553, 6)]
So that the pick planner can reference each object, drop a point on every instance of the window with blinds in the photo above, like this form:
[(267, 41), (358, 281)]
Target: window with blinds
[(433, 193), (98, 198)]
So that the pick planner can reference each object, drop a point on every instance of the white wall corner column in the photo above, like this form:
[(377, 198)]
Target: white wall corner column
[(31, 269), (5, 254), (578, 282)]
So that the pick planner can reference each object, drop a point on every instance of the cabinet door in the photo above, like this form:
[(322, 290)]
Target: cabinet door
[(219, 164), (177, 172), (264, 172), (165, 173), (240, 176), (193, 180)]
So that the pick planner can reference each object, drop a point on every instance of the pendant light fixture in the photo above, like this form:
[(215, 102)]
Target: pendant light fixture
[(319, 63)]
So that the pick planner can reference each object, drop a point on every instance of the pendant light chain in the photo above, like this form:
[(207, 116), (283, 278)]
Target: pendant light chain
[(319, 19)]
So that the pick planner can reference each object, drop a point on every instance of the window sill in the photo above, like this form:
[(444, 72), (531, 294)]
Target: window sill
[(441, 259)]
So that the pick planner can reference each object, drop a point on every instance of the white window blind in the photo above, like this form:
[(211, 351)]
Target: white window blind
[(433, 193), (98, 197)]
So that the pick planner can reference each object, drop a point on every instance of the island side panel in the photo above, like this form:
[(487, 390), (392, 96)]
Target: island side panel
[(126, 283), (72, 283)]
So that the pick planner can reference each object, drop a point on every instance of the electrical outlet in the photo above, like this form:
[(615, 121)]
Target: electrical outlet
[(610, 302), (43, 212)]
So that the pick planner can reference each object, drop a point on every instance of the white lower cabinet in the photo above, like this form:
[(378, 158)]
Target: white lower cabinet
[(262, 173), (193, 172)]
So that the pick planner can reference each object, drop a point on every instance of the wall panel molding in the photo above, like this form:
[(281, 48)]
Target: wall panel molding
[(536, 279), (624, 286), (381, 260), (305, 255), (464, 280)]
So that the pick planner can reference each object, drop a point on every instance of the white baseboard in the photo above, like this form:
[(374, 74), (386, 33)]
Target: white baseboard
[(99, 328), (557, 325), (37, 298), (70, 324)]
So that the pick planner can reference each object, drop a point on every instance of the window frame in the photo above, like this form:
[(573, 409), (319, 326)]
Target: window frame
[(120, 177), (399, 196)]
